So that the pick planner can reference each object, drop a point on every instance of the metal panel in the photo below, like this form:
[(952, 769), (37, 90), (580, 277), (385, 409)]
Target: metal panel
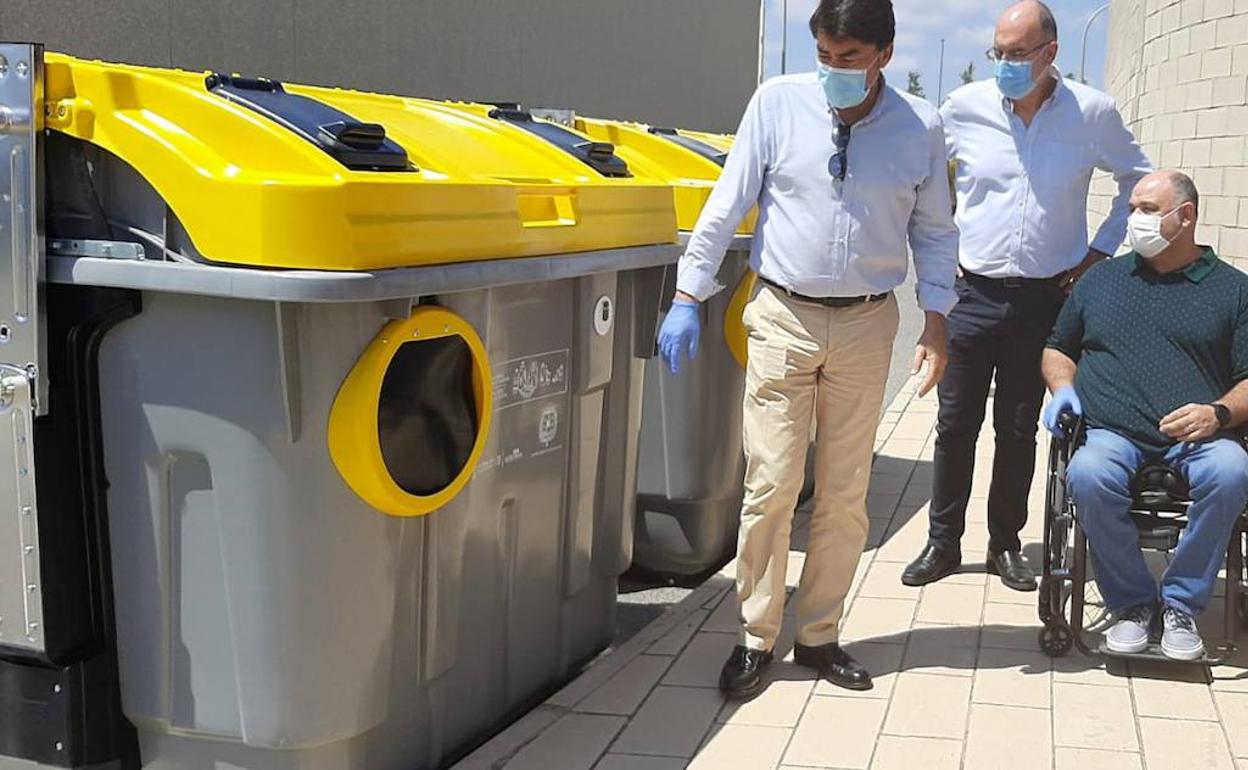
[(23, 389)]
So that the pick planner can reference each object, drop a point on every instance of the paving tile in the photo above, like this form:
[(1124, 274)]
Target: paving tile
[(1089, 717), (882, 660), (623, 693), (951, 603), (897, 753), (779, 705), (1021, 734), (1177, 743), (883, 581), (670, 723), (998, 593), (633, 762), (929, 706), (882, 506), (574, 742), (699, 665), (879, 620), (723, 618), (1011, 626), (1234, 710), (1171, 699), (815, 744), (1013, 678), (948, 650), (675, 640), (907, 449), (741, 747), (1080, 669), (1090, 759), (890, 484)]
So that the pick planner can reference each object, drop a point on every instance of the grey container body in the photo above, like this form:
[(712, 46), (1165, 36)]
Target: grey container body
[(269, 618), (691, 464)]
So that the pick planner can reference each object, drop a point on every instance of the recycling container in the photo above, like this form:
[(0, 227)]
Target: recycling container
[(335, 403)]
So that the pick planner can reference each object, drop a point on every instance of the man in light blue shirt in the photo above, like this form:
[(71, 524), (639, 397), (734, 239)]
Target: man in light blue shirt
[(848, 175), (1025, 144)]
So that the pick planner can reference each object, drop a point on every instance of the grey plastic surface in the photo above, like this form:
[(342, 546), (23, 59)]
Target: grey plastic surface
[(691, 464), (326, 286), (268, 618)]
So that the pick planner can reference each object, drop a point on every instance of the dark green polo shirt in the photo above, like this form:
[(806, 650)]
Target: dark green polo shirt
[(1147, 344)]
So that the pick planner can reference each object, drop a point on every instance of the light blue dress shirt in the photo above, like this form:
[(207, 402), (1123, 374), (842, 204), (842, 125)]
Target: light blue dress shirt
[(824, 237), (1023, 190)]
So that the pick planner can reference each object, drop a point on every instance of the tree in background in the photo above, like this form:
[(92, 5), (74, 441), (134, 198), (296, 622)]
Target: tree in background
[(968, 74), (915, 87)]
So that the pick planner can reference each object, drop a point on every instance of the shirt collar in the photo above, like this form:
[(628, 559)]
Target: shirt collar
[(1195, 272)]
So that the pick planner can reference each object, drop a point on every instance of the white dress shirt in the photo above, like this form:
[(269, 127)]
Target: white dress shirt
[(823, 237), (1023, 190)]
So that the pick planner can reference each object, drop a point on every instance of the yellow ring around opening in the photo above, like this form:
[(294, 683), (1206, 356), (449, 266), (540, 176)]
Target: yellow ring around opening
[(734, 328), (354, 443)]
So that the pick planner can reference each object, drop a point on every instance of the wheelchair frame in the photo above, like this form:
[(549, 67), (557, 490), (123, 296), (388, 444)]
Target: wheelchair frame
[(1065, 563)]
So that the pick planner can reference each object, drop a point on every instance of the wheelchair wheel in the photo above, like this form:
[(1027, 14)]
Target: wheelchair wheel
[(1056, 641)]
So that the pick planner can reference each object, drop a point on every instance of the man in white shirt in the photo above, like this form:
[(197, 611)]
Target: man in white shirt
[(1025, 145), (846, 172)]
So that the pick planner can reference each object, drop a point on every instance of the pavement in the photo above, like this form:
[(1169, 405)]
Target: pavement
[(959, 679)]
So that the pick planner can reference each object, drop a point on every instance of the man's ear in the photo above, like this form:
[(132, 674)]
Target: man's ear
[(886, 56), (1188, 213)]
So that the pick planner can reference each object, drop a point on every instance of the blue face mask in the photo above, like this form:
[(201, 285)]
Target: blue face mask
[(843, 88), (1014, 79)]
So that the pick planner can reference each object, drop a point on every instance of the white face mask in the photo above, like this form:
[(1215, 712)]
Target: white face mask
[(1144, 233)]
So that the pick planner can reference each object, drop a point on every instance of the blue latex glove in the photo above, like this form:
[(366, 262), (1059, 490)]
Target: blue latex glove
[(1065, 400), (680, 333)]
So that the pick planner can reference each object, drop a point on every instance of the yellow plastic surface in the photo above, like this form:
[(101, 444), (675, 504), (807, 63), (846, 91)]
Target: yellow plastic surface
[(354, 442), (735, 334), (251, 192), (691, 176)]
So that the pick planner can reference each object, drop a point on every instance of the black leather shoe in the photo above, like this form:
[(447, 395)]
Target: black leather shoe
[(835, 665), (936, 562), (1013, 570), (742, 676)]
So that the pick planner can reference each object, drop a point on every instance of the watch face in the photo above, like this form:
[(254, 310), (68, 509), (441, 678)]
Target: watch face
[(1223, 413)]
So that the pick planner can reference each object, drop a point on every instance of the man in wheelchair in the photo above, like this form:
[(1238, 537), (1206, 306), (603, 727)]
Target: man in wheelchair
[(1151, 350)]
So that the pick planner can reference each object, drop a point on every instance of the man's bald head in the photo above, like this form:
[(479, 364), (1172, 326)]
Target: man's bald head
[(1165, 190), (1031, 13)]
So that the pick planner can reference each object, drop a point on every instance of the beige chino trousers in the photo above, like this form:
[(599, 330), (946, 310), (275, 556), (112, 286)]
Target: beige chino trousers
[(807, 361)]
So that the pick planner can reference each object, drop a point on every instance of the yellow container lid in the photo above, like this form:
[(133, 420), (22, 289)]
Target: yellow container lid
[(683, 159), (273, 175)]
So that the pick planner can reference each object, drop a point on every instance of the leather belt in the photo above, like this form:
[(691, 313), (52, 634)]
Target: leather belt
[(833, 302), (1013, 282)]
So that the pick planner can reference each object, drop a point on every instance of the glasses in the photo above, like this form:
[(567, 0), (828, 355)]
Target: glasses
[(839, 164), (996, 55)]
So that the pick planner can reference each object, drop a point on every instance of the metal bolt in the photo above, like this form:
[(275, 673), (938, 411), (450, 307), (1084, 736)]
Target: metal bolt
[(56, 688), (5, 334), (30, 549), (32, 587), (60, 746), (4, 66), (61, 111), (22, 69), (27, 510)]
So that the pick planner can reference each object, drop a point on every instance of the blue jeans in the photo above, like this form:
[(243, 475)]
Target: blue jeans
[(1217, 473)]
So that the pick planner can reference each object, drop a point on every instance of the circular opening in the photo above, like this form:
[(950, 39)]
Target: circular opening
[(427, 415), (5, 334)]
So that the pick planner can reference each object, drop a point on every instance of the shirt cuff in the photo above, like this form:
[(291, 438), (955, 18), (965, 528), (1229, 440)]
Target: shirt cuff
[(936, 299), (697, 283)]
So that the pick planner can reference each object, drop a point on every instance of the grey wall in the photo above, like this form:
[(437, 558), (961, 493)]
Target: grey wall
[(691, 63)]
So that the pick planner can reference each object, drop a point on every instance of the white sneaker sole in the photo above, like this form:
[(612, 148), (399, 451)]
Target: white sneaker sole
[(1126, 649), (1188, 654)]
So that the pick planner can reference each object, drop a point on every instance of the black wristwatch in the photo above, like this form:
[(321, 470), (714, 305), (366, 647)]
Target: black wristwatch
[(1223, 414)]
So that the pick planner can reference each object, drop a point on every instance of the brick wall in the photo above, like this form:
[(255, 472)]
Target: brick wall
[(1179, 71)]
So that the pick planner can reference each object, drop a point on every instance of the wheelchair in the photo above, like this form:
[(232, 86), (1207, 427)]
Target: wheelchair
[(1160, 498)]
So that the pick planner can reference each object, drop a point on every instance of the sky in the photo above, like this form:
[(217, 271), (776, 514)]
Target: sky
[(965, 25)]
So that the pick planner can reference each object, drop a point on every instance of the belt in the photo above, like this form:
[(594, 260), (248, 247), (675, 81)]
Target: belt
[(1013, 282), (835, 302)]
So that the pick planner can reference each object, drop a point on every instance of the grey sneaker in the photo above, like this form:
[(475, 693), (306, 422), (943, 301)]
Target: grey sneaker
[(1130, 634), (1180, 640)]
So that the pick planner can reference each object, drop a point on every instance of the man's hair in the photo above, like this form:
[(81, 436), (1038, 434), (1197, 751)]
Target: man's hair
[(870, 21), (1185, 189)]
